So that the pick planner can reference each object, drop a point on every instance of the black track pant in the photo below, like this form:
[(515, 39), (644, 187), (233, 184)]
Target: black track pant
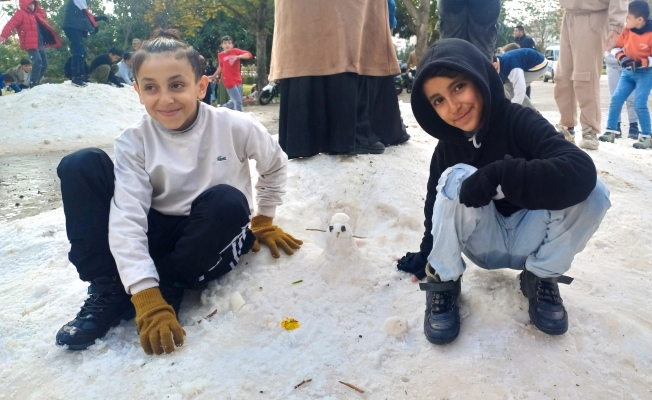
[(187, 250), (472, 20)]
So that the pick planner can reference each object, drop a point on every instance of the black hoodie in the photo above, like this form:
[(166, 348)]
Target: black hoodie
[(537, 168)]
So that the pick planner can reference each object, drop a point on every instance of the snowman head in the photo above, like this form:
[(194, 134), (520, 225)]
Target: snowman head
[(340, 225)]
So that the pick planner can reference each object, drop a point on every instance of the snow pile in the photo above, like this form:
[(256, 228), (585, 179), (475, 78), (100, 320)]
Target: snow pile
[(56, 117), (369, 335)]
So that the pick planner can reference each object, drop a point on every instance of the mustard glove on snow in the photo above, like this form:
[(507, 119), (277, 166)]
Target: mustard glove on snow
[(272, 236), (157, 324)]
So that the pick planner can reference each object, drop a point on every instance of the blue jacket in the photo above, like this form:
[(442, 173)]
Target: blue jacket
[(524, 59), (14, 86)]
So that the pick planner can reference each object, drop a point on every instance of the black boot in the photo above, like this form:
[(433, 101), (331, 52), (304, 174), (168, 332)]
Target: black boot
[(546, 310), (633, 131), (441, 323), (620, 132), (106, 306)]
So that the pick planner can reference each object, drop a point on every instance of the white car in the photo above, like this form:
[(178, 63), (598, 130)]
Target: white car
[(552, 55)]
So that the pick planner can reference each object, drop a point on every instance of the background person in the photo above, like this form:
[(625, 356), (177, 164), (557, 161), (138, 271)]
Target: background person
[(614, 70), (35, 34), (518, 68), (336, 63), (475, 21), (78, 22), (22, 72), (229, 68), (588, 28), (103, 68), (124, 74), (523, 40)]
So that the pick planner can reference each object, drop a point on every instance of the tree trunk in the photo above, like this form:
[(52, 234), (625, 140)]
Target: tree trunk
[(261, 45), (421, 17)]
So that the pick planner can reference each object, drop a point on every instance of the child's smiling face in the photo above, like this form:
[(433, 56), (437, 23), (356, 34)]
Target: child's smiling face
[(456, 100), (169, 90)]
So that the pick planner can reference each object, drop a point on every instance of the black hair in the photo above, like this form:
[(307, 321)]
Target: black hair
[(168, 41), (226, 38), (445, 72), (8, 78), (495, 58), (510, 47), (115, 51), (126, 56), (520, 28), (25, 61), (639, 9)]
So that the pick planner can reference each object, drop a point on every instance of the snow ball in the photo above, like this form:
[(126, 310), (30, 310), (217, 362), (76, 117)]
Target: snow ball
[(194, 387), (396, 326), (46, 141), (39, 289), (236, 302)]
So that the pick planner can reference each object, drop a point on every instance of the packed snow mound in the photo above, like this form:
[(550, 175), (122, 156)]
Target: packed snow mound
[(370, 334), (63, 116)]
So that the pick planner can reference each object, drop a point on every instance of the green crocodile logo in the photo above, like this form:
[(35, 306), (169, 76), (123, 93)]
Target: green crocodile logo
[(220, 158)]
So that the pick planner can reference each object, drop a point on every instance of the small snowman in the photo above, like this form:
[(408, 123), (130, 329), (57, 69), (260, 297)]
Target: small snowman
[(340, 243), (342, 260)]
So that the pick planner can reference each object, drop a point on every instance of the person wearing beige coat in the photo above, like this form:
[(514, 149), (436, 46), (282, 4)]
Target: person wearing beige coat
[(335, 60), (587, 29)]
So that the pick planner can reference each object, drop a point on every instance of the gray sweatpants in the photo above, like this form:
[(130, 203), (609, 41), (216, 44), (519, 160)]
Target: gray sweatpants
[(543, 241)]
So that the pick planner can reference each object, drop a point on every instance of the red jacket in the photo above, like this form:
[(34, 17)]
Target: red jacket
[(26, 22)]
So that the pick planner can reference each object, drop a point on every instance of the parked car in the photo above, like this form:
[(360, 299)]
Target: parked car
[(552, 55)]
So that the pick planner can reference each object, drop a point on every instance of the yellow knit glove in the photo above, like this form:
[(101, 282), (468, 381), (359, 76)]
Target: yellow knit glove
[(157, 324), (272, 236)]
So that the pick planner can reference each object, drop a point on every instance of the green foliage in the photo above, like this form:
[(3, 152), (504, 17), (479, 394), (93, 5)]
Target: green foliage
[(207, 39), (10, 55)]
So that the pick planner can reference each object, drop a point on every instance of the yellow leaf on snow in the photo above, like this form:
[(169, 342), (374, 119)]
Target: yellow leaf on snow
[(290, 324)]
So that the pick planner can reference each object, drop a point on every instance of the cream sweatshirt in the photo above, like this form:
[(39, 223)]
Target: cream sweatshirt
[(166, 170)]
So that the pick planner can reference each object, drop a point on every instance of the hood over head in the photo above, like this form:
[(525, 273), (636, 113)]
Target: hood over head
[(24, 3), (462, 56)]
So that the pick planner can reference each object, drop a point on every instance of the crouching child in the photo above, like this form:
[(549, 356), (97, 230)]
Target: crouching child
[(174, 211), (505, 189)]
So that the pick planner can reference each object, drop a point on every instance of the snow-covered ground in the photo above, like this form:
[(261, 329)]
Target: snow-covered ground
[(606, 354)]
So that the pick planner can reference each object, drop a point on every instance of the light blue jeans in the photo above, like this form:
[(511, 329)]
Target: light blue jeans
[(235, 98), (641, 80), (543, 241)]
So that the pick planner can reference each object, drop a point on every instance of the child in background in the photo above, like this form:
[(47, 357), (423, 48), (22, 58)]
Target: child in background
[(614, 71), (229, 67), (22, 72), (9, 84), (35, 34), (634, 53), (163, 218), (103, 68), (505, 188), (124, 74)]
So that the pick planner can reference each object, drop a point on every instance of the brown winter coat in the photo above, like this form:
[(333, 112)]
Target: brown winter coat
[(326, 37), (617, 10)]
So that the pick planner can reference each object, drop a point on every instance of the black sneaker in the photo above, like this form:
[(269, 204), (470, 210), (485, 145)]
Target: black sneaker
[(79, 82), (173, 296), (106, 305), (441, 323), (546, 309)]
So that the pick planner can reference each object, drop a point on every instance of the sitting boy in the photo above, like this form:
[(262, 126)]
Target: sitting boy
[(9, 85), (634, 53), (125, 75), (103, 68), (505, 189), (517, 69), (22, 72)]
